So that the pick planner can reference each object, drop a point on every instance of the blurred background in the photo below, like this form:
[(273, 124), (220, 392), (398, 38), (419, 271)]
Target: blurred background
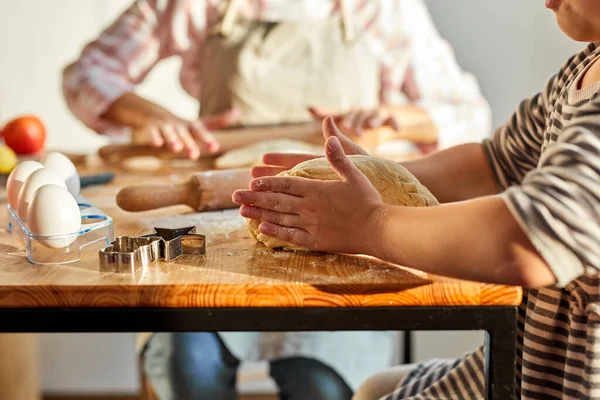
[(512, 47)]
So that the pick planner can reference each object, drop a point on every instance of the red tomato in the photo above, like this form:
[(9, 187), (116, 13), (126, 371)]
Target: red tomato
[(25, 135)]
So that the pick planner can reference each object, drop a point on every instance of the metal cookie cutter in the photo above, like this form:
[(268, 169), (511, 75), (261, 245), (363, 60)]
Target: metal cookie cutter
[(179, 241), (127, 254)]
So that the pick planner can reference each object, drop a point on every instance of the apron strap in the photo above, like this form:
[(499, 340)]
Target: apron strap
[(229, 18), (233, 6), (347, 25)]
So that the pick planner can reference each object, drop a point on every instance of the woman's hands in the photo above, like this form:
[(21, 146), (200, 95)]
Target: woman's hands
[(409, 121), (321, 215), (181, 135), (153, 124), (357, 121), (279, 162)]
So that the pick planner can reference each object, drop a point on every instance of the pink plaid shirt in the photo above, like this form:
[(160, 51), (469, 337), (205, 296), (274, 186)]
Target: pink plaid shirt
[(153, 30)]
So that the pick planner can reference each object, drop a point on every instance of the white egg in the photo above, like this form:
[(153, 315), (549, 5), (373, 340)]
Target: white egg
[(65, 167), (54, 211), (39, 178), (16, 179)]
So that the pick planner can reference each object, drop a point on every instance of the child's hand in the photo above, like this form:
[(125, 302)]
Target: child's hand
[(331, 216), (279, 162), (357, 121)]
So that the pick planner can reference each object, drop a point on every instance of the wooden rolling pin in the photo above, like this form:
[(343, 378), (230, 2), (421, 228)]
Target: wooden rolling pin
[(229, 139), (204, 191)]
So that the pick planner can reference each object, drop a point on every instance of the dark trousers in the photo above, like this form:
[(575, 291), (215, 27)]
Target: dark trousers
[(198, 366)]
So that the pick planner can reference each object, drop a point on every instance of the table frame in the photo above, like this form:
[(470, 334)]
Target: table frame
[(499, 323)]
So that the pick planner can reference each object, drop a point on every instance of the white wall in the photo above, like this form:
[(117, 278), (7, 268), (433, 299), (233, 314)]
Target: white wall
[(511, 45), (37, 39)]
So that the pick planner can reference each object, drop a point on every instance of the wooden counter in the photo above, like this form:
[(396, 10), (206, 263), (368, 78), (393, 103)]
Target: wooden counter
[(236, 272)]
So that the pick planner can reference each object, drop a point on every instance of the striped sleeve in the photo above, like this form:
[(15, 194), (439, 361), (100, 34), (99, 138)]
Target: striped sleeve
[(515, 147), (557, 204)]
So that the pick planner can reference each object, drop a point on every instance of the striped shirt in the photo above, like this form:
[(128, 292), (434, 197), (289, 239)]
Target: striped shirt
[(400, 33), (547, 158)]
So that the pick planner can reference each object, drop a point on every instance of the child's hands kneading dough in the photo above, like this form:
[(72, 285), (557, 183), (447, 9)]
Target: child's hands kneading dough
[(316, 214)]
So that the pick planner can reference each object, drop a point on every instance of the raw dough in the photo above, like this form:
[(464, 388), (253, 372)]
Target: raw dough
[(250, 156), (395, 183)]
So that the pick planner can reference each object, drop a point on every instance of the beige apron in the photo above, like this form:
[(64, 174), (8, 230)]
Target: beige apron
[(272, 73)]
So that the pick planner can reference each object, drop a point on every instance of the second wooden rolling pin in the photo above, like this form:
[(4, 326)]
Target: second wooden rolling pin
[(204, 191), (229, 139)]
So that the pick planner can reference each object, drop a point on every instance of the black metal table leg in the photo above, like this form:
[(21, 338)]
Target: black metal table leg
[(407, 345), (500, 349)]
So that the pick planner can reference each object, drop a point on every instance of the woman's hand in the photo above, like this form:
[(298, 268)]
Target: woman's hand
[(320, 215), (357, 121), (180, 135), (279, 162)]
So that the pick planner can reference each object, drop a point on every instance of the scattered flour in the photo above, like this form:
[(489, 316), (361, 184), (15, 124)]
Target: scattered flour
[(211, 223)]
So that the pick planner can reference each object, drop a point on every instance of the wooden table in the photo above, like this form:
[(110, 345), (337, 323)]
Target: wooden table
[(242, 286)]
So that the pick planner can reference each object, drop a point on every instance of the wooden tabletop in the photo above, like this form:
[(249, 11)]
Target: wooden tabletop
[(235, 272)]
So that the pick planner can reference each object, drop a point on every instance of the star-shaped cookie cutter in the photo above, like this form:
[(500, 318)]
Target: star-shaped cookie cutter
[(128, 254), (179, 241)]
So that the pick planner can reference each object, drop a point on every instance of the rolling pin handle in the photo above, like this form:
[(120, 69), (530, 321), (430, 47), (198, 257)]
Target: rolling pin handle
[(150, 197)]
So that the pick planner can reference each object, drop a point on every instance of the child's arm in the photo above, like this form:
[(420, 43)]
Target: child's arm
[(475, 240), (544, 229), (459, 173), (465, 172), (456, 174)]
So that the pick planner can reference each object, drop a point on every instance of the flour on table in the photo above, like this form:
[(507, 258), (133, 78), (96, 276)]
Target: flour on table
[(211, 223)]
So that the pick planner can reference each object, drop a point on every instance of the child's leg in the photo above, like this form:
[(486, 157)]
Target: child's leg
[(382, 383)]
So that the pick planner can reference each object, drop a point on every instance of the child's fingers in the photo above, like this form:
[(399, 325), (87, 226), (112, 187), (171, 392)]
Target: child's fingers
[(284, 203), (292, 235), (262, 170), (346, 170), (294, 186), (288, 160), (282, 219), (330, 129)]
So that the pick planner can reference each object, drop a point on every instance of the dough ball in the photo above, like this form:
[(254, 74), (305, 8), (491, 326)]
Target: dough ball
[(396, 185), (250, 156)]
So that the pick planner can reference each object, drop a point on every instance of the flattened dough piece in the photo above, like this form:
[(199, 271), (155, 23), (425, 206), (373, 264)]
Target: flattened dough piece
[(250, 156), (396, 185)]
